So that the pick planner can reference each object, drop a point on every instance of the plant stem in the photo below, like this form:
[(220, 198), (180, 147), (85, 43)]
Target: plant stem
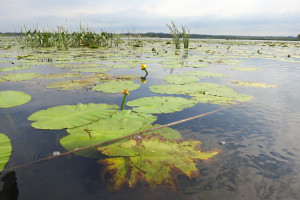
[(123, 102)]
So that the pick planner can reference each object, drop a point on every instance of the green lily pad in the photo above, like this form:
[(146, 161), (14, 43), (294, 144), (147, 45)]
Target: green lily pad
[(92, 69), (69, 116), (116, 86), (60, 75), (252, 84), (172, 66), (5, 150), (14, 68), (121, 66), (246, 69), (167, 104), (120, 124), (166, 132), (199, 89), (153, 160), (10, 98), (198, 65), (20, 77), (205, 74), (181, 79)]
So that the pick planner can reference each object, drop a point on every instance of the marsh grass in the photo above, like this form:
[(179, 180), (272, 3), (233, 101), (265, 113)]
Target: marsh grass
[(62, 39), (185, 37), (175, 35)]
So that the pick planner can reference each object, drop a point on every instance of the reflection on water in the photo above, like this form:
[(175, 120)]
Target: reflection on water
[(9, 190)]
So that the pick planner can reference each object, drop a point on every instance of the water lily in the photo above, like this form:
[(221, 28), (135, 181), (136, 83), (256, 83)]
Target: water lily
[(125, 92), (144, 67)]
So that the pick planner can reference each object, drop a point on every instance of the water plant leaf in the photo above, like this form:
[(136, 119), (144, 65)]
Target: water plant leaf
[(69, 116), (252, 84), (166, 132), (246, 69), (121, 66), (116, 86), (152, 160), (213, 92), (5, 150), (11, 98), (60, 75), (155, 104), (205, 74), (91, 69), (181, 79), (20, 77), (120, 124), (14, 68)]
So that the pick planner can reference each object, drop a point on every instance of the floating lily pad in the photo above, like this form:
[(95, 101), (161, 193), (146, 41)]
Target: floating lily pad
[(14, 68), (120, 124), (172, 66), (116, 86), (199, 89), (5, 150), (253, 84), (155, 104), (20, 77), (205, 74), (166, 132), (13, 98), (153, 160), (92, 69), (61, 75), (128, 77), (246, 69), (121, 66), (69, 116), (181, 79), (198, 65)]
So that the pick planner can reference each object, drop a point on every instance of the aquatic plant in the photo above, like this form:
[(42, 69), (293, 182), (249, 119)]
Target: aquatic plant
[(144, 67), (5, 150), (175, 34), (125, 92), (10, 98), (185, 34)]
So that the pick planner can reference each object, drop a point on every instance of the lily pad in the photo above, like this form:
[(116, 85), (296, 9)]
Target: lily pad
[(246, 69), (252, 84), (70, 116), (120, 124), (121, 66), (153, 160), (60, 75), (20, 77), (10, 98), (5, 150), (181, 79), (205, 74), (14, 68), (92, 69), (167, 104), (116, 86), (199, 89)]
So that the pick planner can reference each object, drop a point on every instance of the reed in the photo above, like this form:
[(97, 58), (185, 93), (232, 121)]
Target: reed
[(175, 35), (185, 34)]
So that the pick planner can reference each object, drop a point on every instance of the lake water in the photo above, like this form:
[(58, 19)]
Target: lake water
[(259, 160)]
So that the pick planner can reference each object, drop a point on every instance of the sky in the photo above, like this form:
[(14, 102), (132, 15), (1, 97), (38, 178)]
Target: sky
[(215, 17)]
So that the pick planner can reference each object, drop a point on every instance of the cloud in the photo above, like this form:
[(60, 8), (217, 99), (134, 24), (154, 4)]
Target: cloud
[(207, 17)]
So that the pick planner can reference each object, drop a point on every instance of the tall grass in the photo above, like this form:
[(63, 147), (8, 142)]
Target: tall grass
[(62, 39), (175, 35), (185, 37)]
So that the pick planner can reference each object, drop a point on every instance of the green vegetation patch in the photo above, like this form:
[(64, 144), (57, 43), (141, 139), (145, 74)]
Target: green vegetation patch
[(198, 65), (211, 92), (121, 66), (167, 104), (172, 66), (5, 150), (14, 68), (92, 69), (70, 116), (10, 98), (181, 79), (116, 86), (246, 69), (252, 84), (153, 160), (60, 75), (20, 77), (120, 124), (205, 74)]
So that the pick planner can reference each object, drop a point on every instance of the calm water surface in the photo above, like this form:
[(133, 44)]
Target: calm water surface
[(260, 160)]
